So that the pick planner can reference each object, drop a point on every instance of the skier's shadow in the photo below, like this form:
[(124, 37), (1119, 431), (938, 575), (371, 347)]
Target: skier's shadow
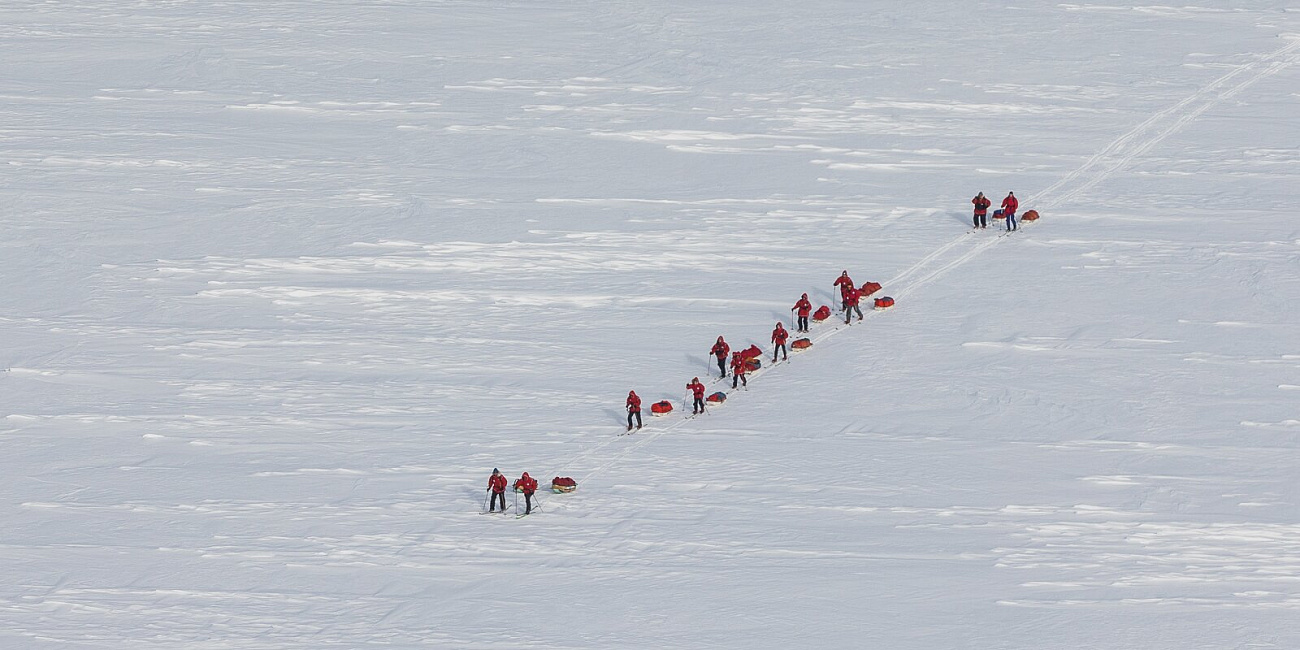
[(706, 364), (617, 415)]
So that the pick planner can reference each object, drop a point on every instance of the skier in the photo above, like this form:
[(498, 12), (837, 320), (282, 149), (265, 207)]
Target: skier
[(497, 486), (527, 485), (720, 350), (697, 389), (738, 370), (851, 305), (779, 336), (845, 283), (804, 307), (633, 409), (982, 204), (1009, 206)]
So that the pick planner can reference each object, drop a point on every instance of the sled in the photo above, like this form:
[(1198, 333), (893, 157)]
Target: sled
[(997, 214), (751, 352), (801, 344), (821, 314), (1032, 215), (563, 485), (869, 288), (661, 408), (884, 303), (717, 398), (752, 364)]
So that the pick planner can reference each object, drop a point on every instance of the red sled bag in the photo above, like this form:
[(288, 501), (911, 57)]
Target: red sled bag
[(821, 314), (869, 288), (1032, 215), (752, 364), (884, 303), (563, 484), (801, 344), (751, 352), (718, 397), (661, 408), (997, 214)]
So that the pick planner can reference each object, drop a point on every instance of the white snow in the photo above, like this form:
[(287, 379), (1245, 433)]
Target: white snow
[(284, 281)]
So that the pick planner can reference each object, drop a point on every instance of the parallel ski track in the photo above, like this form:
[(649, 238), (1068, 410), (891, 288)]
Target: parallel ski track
[(1112, 158)]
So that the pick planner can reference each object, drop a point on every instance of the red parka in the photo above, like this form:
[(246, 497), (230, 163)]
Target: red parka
[(526, 484), (1010, 204), (803, 306), (780, 334), (697, 389), (844, 283), (633, 402), (982, 204), (497, 482), (720, 349), (851, 297)]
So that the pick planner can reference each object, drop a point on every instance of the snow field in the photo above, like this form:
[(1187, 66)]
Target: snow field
[(287, 281)]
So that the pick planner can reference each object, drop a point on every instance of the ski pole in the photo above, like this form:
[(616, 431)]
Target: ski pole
[(485, 498), (516, 501)]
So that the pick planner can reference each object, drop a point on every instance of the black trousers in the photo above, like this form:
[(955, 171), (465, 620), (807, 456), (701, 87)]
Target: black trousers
[(740, 376), (981, 221), (495, 496), (722, 366), (698, 405), (528, 503), (780, 348), (803, 324), (630, 415)]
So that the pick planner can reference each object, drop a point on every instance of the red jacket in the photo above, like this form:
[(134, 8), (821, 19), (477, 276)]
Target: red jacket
[(851, 298), (844, 283), (804, 307), (526, 484), (720, 349), (780, 334), (982, 204), (633, 403), (738, 366), (1010, 204), (497, 482), (697, 389)]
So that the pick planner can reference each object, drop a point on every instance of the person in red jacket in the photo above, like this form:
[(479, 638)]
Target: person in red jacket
[(845, 283), (527, 485), (851, 305), (720, 350), (1009, 206), (779, 336), (497, 486), (738, 370), (804, 308), (697, 390), (633, 409), (982, 204)]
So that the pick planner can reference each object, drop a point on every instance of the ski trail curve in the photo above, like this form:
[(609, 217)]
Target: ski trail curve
[(1112, 158)]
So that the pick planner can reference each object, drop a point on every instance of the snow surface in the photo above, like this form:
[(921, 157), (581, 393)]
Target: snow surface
[(284, 281)]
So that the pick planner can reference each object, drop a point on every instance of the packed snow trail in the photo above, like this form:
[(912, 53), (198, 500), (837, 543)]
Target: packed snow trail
[(1112, 158)]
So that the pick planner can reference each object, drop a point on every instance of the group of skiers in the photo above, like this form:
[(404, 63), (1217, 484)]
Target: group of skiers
[(1009, 207), (850, 298), (497, 490)]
